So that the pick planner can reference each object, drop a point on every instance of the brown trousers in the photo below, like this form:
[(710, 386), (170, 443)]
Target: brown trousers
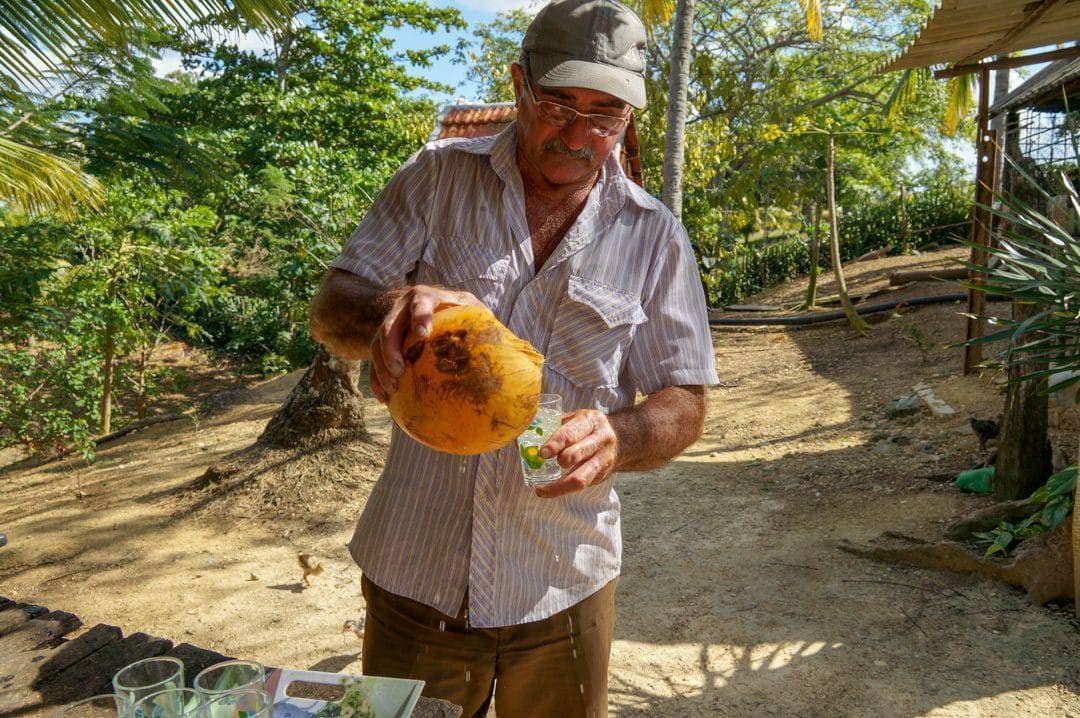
[(554, 667)]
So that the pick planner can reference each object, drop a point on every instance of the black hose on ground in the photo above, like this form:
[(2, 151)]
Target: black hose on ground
[(816, 317)]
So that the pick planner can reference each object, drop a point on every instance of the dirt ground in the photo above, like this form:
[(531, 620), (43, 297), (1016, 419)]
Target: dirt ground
[(734, 600)]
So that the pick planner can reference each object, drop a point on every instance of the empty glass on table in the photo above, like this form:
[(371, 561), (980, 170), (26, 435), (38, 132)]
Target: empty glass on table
[(108, 705), (170, 703), (244, 703), (150, 675), (230, 676)]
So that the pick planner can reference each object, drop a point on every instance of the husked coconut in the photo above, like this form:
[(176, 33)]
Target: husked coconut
[(470, 386)]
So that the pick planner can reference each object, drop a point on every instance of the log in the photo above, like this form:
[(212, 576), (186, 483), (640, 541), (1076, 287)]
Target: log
[(986, 519), (23, 671), (17, 614), (42, 632), (195, 659), (897, 279), (876, 254), (1042, 565), (93, 675)]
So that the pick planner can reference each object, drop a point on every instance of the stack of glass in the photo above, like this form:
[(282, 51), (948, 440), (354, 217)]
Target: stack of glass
[(155, 688)]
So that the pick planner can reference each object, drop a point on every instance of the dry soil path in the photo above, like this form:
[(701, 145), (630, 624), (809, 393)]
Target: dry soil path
[(734, 599)]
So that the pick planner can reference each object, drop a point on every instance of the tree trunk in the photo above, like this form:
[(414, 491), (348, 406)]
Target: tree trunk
[(682, 46), (905, 238), (1024, 459), (856, 321), (281, 64), (815, 257), (140, 400), (325, 406), (107, 377), (314, 456), (1024, 456)]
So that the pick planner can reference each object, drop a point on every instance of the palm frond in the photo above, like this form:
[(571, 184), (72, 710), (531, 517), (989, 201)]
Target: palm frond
[(960, 91), (906, 90), (37, 36), (36, 181), (812, 10), (1038, 263)]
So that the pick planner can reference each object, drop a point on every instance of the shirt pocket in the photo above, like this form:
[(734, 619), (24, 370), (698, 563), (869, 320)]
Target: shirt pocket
[(594, 326), (463, 266)]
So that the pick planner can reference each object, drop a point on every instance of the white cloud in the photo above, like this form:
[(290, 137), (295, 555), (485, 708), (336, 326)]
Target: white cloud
[(168, 62), (250, 41)]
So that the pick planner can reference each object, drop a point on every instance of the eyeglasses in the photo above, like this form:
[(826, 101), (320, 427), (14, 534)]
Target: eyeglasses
[(558, 115)]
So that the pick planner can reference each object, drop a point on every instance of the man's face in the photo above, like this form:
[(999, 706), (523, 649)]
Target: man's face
[(563, 155)]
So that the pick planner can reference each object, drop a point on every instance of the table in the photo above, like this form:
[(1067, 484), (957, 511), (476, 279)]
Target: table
[(41, 669)]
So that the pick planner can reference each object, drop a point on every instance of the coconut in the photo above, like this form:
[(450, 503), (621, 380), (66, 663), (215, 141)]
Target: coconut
[(470, 386)]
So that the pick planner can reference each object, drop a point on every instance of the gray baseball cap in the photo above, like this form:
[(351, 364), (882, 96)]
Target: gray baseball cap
[(594, 44)]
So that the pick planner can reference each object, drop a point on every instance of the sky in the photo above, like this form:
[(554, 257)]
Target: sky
[(445, 71)]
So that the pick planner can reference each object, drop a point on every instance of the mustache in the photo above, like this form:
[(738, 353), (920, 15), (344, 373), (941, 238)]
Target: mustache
[(557, 145)]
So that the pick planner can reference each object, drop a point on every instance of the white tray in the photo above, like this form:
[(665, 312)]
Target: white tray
[(389, 697)]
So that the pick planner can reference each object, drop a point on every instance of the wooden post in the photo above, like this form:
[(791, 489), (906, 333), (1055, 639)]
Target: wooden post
[(980, 221)]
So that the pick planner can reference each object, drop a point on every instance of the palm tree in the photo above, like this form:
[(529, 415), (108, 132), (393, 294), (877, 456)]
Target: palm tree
[(38, 40)]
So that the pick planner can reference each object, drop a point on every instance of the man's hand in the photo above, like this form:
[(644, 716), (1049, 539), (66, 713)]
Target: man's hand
[(587, 449), (410, 311)]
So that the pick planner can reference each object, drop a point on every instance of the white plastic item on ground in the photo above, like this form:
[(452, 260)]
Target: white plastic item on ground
[(937, 406), (388, 697)]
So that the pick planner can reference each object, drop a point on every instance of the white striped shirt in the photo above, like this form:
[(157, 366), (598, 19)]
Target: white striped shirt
[(616, 309)]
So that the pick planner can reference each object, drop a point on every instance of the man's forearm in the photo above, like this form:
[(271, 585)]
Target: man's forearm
[(345, 313), (660, 428)]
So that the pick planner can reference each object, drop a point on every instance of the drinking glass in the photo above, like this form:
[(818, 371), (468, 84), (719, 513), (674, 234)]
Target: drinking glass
[(230, 676), (246, 703), (171, 703), (108, 705), (548, 418), (150, 675)]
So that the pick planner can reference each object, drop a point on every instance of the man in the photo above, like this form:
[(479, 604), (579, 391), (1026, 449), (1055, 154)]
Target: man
[(480, 586)]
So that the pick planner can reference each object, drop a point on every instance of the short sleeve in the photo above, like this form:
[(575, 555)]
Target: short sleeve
[(385, 247), (674, 346)]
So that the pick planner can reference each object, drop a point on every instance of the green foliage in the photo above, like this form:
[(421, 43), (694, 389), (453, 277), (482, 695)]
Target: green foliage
[(229, 187), (41, 48), (934, 216), (488, 55), (733, 269), (130, 272), (1038, 263), (1056, 497), (314, 132)]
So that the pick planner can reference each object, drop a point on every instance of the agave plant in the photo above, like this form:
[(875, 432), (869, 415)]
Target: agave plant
[(1038, 263)]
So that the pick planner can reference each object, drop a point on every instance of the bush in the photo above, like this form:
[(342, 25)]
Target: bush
[(934, 216)]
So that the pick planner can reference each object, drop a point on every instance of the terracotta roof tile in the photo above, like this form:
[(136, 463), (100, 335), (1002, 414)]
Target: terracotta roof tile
[(473, 120)]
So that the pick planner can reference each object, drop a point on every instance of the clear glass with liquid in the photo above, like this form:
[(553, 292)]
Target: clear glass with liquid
[(548, 418)]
